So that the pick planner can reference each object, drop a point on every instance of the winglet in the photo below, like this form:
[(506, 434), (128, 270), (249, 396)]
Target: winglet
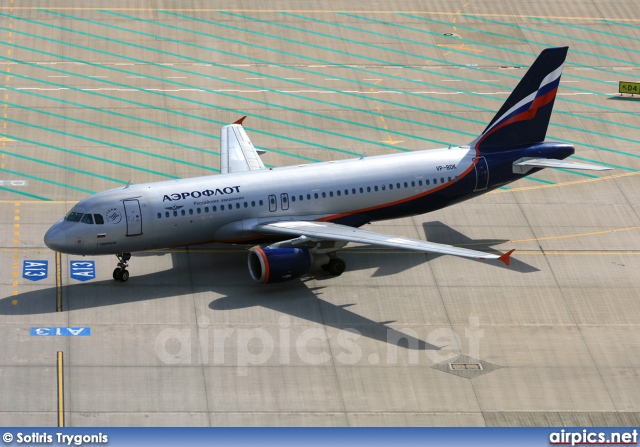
[(240, 120), (505, 257)]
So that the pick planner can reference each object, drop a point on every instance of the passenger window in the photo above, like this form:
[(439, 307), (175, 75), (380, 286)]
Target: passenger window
[(419, 182), (190, 210), (221, 207), (175, 214), (87, 218), (406, 185), (338, 192), (324, 195), (308, 196), (183, 212), (375, 188), (353, 191), (246, 205), (315, 195), (368, 188), (301, 198), (166, 214), (206, 209), (384, 188), (441, 179), (449, 178), (253, 203), (214, 209), (361, 190), (435, 181), (238, 205), (293, 198), (159, 215), (398, 185), (199, 211), (346, 192), (98, 218), (260, 203), (330, 193), (413, 184), (390, 185)]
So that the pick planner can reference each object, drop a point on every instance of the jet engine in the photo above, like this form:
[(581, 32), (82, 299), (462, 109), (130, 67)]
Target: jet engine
[(272, 265)]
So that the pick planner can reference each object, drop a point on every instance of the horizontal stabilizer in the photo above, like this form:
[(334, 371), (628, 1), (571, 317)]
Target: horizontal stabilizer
[(524, 165)]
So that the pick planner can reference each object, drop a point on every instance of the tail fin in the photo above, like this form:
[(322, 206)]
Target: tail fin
[(524, 117)]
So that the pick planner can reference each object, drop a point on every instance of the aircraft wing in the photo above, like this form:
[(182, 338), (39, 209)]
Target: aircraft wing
[(237, 153), (335, 232), (553, 163)]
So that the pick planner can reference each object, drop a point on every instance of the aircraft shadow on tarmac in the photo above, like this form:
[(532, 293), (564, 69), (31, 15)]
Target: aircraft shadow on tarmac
[(224, 273)]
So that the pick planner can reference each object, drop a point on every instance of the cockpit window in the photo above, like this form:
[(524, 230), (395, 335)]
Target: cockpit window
[(73, 217), (87, 218), (98, 218)]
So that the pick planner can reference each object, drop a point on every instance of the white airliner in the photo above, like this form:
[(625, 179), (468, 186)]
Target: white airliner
[(301, 215)]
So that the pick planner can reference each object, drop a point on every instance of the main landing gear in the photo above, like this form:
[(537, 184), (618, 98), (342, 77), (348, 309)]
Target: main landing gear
[(336, 266), (121, 273)]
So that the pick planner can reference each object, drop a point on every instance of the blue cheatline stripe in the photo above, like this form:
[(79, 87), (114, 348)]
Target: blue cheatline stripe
[(91, 157), (26, 194), (51, 182), (115, 129), (371, 142), (126, 101), (105, 143)]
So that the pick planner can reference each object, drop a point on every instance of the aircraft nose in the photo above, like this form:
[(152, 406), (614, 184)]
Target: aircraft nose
[(55, 238)]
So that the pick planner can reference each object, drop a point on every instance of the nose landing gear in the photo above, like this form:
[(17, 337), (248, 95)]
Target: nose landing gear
[(121, 273)]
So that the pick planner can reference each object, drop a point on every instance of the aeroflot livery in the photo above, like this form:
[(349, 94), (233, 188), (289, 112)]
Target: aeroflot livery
[(301, 215)]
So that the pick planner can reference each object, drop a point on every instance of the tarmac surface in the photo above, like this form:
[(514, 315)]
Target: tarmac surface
[(97, 95)]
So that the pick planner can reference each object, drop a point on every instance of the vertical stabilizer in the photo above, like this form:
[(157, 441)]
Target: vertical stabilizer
[(524, 117)]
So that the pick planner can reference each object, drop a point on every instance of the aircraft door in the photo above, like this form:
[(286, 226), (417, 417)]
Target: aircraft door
[(273, 205), (482, 174), (134, 217), (284, 201)]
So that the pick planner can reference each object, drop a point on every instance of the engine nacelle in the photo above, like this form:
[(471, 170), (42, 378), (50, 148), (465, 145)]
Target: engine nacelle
[(273, 265)]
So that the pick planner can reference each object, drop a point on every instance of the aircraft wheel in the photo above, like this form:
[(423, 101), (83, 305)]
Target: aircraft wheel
[(336, 266), (116, 273), (124, 275)]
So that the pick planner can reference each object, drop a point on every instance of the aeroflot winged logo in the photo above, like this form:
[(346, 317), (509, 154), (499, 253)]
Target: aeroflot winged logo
[(198, 194), (174, 207)]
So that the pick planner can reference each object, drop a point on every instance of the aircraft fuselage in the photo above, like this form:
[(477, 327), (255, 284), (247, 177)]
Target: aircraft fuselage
[(224, 208)]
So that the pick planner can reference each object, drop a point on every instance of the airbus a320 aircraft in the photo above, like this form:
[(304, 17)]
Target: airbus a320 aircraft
[(302, 215)]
